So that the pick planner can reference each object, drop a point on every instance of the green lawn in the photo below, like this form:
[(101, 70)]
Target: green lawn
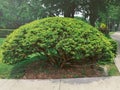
[(4, 68), (112, 70), (110, 33)]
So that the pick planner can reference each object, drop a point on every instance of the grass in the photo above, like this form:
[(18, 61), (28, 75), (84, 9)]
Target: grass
[(18, 70), (4, 68), (112, 70), (110, 33)]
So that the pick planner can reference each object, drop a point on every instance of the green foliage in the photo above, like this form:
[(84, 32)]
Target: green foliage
[(112, 70), (14, 13), (61, 40), (18, 71), (114, 44), (113, 49), (1, 40), (103, 28), (82, 18), (114, 12), (67, 7), (5, 70)]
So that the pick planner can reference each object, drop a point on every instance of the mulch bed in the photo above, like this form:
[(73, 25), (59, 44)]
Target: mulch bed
[(40, 70)]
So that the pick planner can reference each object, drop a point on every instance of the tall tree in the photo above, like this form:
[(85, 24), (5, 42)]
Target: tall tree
[(15, 13), (67, 7), (89, 8)]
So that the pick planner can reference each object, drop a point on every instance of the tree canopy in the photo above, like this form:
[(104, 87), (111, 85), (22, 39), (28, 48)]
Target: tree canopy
[(14, 13)]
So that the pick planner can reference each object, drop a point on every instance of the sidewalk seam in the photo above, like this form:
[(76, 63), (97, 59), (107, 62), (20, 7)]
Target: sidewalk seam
[(60, 85)]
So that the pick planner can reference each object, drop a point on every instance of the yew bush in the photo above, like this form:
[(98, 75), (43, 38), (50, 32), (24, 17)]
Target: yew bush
[(61, 40)]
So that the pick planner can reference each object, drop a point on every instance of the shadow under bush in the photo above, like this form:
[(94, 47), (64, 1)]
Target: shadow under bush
[(19, 69)]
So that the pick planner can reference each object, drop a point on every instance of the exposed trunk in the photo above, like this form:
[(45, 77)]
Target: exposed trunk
[(93, 19), (70, 10), (66, 13), (93, 14)]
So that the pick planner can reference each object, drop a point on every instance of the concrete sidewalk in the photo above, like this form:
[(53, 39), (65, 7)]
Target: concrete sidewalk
[(102, 83), (116, 36)]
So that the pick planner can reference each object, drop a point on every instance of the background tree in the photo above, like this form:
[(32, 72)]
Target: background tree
[(66, 7), (89, 8), (18, 12), (14, 13), (111, 16), (92, 8)]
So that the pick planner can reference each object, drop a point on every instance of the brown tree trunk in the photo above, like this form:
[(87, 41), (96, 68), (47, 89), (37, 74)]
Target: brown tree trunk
[(70, 10), (93, 12), (92, 19)]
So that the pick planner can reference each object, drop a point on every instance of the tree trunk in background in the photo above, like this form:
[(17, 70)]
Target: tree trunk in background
[(70, 10), (93, 12), (93, 19)]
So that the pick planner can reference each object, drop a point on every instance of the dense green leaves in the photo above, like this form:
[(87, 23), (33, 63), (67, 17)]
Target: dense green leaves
[(14, 13), (61, 40)]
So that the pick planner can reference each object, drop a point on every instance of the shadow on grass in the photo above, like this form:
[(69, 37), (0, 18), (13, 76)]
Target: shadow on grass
[(5, 70), (19, 69)]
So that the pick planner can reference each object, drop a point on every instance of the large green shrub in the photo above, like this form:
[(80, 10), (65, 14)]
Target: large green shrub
[(61, 40)]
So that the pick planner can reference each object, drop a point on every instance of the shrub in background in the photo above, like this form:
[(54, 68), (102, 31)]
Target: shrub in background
[(61, 40), (103, 28)]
